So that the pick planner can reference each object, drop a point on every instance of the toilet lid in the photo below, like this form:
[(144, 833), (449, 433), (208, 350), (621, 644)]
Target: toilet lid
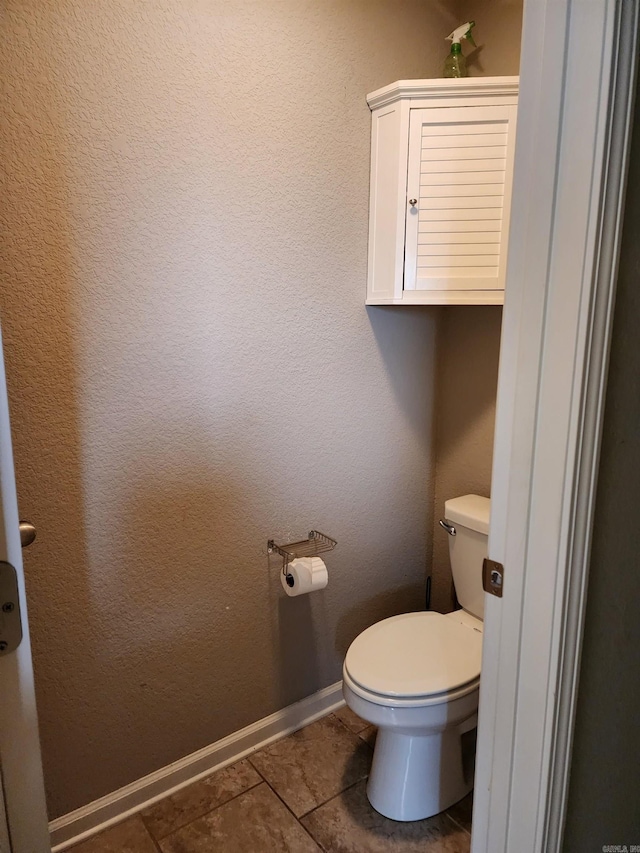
[(415, 654)]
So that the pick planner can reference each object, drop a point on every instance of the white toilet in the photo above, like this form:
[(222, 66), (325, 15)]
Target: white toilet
[(417, 677)]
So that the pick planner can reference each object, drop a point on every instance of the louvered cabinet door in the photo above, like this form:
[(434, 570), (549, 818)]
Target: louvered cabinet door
[(459, 180)]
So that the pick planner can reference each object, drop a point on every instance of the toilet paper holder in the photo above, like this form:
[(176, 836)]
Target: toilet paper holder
[(317, 543)]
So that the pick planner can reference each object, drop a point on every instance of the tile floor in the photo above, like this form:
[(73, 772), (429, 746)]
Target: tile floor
[(302, 794)]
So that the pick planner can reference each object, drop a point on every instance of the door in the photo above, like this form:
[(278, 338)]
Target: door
[(569, 180), (459, 190), (23, 815)]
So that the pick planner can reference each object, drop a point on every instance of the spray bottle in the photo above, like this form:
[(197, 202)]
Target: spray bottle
[(455, 65)]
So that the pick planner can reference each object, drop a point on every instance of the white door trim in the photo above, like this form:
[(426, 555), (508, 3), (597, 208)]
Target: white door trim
[(578, 64), (596, 364)]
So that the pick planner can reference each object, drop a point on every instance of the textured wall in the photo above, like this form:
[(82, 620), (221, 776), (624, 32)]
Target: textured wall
[(496, 34), (469, 338), (467, 376), (604, 779), (191, 366)]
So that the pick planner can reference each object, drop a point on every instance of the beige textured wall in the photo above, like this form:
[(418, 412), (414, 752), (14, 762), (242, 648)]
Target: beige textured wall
[(467, 376), (191, 366), (496, 34), (469, 338)]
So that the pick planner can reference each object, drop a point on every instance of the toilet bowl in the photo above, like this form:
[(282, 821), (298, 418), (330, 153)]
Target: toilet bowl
[(417, 677)]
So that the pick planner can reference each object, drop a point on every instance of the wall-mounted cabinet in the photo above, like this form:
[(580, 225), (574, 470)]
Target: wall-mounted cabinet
[(441, 172)]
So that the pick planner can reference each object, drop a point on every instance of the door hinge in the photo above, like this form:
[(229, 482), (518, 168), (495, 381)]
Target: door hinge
[(10, 621), (492, 577)]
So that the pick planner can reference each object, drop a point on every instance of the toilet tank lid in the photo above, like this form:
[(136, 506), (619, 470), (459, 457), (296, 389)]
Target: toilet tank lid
[(470, 511)]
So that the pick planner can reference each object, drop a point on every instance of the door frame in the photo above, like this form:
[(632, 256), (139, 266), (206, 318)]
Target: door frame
[(574, 117)]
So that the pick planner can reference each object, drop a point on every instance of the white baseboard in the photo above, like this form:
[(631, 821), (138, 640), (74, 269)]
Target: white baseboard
[(100, 814)]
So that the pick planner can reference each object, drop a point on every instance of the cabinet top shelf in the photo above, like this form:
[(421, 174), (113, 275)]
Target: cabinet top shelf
[(442, 87)]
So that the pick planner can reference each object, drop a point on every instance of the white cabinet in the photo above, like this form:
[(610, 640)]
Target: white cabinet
[(441, 172)]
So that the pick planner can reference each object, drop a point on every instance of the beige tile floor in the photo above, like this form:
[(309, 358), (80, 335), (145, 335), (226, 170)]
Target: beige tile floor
[(302, 794)]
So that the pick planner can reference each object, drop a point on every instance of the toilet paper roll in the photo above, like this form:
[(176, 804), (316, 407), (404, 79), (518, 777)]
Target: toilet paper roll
[(306, 574)]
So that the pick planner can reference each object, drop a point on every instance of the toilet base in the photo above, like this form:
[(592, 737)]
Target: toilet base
[(414, 777)]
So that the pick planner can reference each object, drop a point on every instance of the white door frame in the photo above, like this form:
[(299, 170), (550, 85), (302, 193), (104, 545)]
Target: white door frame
[(23, 814), (574, 113)]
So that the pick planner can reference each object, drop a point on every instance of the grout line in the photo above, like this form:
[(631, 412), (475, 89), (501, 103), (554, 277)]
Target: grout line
[(319, 844), (155, 843), (146, 829), (459, 825), (348, 728), (269, 785), (315, 840), (144, 823), (288, 808), (248, 758), (334, 796), (295, 817), (364, 739), (204, 814), (357, 734)]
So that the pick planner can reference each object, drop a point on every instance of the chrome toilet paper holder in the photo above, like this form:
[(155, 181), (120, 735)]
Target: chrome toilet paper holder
[(317, 543)]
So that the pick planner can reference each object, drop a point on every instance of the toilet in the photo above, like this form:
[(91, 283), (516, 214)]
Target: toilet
[(417, 677)]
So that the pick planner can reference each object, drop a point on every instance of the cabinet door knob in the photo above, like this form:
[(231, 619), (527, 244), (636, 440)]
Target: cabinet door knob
[(413, 202)]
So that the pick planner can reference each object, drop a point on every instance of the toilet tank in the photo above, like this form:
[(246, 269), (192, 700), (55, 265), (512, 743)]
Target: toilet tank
[(469, 515)]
